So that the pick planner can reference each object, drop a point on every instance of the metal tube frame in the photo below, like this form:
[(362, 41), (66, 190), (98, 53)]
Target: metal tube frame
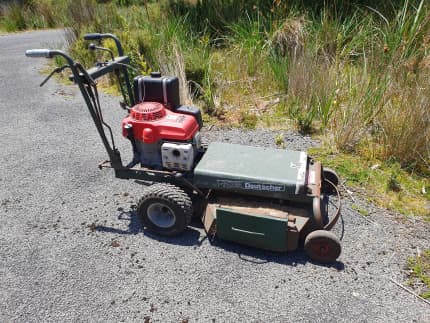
[(132, 100)]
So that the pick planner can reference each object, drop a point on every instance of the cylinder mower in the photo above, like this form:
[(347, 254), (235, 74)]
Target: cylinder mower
[(261, 197)]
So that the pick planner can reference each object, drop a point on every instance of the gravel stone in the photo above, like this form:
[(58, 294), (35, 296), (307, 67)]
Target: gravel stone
[(71, 248)]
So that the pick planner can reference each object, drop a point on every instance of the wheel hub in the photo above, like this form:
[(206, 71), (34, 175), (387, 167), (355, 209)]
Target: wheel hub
[(322, 249), (161, 215)]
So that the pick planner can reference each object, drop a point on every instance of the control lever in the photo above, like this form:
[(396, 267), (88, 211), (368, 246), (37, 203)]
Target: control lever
[(93, 47), (57, 70), (123, 105)]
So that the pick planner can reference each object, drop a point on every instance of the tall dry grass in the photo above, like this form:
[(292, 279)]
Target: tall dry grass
[(29, 14), (357, 74), (362, 79)]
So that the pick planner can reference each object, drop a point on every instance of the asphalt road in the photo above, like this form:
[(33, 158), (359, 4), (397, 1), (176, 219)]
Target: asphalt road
[(71, 248)]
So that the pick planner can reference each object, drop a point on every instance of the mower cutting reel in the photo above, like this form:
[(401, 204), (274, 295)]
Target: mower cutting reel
[(266, 198)]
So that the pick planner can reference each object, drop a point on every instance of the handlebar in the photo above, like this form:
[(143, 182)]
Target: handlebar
[(38, 53), (78, 71), (93, 36), (49, 53), (98, 36)]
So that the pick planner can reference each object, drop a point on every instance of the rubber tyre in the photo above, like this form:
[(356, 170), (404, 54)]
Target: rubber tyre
[(165, 209), (322, 246)]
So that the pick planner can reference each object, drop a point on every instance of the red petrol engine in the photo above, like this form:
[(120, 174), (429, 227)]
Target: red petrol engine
[(161, 137), (152, 122)]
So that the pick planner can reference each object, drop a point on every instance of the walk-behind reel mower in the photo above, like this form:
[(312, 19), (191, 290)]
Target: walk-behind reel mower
[(266, 198)]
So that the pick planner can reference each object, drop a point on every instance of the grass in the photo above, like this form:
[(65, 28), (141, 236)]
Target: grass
[(354, 73), (27, 14), (360, 210), (419, 271), (383, 182)]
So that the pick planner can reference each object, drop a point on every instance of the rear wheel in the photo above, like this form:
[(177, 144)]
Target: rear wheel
[(165, 209), (322, 246)]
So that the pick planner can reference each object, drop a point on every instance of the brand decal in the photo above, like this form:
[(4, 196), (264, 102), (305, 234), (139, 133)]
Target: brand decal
[(295, 165), (180, 119), (229, 184), (249, 186), (176, 118), (264, 187)]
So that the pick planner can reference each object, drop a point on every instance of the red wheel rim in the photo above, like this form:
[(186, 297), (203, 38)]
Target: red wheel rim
[(321, 248)]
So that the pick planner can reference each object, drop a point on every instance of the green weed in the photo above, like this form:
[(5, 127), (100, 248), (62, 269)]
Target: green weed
[(360, 210), (14, 19), (280, 140), (385, 183), (419, 267), (28, 14)]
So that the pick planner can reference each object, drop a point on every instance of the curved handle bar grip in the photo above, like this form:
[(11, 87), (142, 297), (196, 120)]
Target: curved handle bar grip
[(38, 53), (93, 36), (98, 36)]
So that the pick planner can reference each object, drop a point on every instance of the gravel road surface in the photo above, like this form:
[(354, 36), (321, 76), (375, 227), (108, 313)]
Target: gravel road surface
[(71, 248)]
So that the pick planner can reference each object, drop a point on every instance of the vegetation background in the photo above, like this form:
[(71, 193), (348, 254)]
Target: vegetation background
[(353, 73)]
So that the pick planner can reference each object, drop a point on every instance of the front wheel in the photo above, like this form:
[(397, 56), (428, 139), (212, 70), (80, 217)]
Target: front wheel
[(322, 246), (165, 209)]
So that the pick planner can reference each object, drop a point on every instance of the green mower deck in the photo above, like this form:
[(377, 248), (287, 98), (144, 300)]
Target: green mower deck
[(265, 172)]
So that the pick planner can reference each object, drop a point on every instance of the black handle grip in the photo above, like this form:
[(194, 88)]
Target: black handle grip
[(93, 36)]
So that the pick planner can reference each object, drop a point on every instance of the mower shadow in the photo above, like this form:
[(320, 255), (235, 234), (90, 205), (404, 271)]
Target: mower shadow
[(259, 256), (134, 226), (192, 237)]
